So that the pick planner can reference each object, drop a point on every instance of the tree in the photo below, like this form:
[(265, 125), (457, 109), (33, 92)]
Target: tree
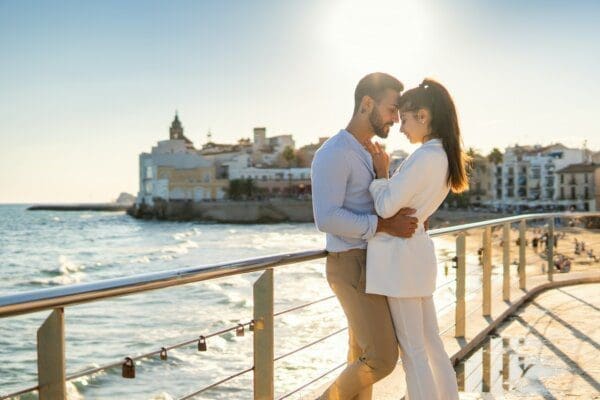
[(249, 187), (234, 192), (288, 155), (473, 153), (242, 189), (495, 156)]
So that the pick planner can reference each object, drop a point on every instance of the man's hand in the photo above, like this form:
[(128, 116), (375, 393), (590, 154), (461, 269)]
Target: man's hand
[(400, 225)]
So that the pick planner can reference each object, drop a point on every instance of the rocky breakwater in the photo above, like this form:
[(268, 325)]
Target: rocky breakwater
[(228, 211)]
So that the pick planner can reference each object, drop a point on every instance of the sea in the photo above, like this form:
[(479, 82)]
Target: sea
[(44, 249)]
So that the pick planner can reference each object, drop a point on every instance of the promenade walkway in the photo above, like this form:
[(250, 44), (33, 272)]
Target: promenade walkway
[(547, 348)]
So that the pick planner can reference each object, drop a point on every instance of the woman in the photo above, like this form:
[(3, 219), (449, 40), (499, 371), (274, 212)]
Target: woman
[(405, 269)]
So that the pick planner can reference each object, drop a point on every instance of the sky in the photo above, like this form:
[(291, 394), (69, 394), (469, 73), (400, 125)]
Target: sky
[(85, 87)]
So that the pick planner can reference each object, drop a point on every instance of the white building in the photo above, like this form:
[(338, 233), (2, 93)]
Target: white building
[(579, 187), (174, 170), (526, 177)]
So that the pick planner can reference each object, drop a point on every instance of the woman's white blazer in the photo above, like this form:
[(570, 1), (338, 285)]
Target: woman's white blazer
[(399, 267)]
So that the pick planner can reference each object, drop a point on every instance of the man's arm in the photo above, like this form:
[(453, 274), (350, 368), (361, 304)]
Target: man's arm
[(401, 224), (329, 175)]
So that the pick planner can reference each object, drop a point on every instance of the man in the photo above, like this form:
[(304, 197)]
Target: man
[(343, 208)]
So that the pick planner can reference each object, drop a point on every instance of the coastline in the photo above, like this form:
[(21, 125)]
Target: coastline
[(80, 207)]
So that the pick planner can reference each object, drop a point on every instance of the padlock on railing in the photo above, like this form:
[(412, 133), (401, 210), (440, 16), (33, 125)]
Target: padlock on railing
[(239, 331), (163, 353), (251, 326), (259, 324), (128, 368), (202, 343)]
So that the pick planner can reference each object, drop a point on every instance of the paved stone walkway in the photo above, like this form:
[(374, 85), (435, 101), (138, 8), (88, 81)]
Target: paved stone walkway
[(550, 349)]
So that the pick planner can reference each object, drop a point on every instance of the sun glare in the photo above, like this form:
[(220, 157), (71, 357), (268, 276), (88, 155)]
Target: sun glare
[(379, 33)]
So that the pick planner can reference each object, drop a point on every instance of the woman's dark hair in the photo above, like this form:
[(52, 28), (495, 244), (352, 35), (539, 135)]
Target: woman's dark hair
[(374, 85), (431, 95)]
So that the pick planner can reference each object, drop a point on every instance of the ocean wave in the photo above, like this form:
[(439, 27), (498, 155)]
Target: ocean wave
[(141, 260), (67, 266), (163, 396), (67, 272), (58, 280), (72, 392), (181, 248), (183, 235)]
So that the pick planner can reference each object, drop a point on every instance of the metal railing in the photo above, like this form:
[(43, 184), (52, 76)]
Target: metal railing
[(51, 336)]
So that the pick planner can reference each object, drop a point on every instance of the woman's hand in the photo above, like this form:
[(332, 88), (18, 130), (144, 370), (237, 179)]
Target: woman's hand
[(381, 159)]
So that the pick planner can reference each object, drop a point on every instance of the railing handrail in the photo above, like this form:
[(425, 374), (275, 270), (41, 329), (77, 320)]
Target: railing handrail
[(50, 298)]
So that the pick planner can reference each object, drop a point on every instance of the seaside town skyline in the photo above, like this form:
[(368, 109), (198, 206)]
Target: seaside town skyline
[(87, 89)]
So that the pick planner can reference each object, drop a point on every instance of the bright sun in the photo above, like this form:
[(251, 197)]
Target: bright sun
[(378, 33)]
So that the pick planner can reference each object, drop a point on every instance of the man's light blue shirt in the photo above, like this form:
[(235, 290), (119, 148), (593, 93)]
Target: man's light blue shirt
[(343, 207)]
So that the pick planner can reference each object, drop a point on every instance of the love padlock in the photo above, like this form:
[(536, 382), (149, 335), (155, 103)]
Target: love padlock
[(202, 343), (239, 331), (163, 353), (128, 368), (251, 326)]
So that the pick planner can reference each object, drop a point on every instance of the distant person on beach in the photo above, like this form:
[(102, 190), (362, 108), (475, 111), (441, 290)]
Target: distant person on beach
[(342, 171), (405, 270)]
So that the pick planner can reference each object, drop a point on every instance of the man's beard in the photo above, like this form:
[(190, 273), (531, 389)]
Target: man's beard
[(378, 125)]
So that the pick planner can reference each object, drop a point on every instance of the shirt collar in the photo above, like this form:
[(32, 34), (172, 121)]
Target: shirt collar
[(355, 143), (434, 141)]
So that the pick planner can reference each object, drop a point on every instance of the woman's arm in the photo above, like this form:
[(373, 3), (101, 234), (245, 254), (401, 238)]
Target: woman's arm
[(390, 195)]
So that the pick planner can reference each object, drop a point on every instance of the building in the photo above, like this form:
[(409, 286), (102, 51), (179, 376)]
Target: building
[(579, 187), (526, 176), (175, 171), (268, 151), (272, 181)]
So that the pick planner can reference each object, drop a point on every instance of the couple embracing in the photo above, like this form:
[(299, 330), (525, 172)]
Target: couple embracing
[(381, 262)]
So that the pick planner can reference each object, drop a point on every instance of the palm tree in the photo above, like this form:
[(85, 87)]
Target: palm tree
[(495, 156)]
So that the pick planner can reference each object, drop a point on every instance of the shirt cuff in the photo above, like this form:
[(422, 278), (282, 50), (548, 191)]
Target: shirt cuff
[(372, 227), (377, 183)]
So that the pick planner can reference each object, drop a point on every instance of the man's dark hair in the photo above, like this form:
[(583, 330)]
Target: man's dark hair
[(374, 85)]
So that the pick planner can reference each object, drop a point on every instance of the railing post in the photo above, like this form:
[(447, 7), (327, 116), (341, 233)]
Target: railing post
[(486, 366), (506, 363), (264, 388), (550, 249), (487, 271), (506, 262), (51, 357), (522, 260), (460, 311)]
